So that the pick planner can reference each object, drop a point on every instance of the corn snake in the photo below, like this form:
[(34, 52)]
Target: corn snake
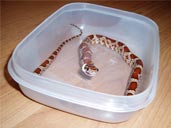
[(88, 67)]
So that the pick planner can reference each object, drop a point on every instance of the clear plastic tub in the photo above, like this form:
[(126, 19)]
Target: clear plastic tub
[(63, 87)]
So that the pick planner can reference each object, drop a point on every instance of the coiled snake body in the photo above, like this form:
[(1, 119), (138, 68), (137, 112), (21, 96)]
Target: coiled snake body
[(88, 66), (131, 59)]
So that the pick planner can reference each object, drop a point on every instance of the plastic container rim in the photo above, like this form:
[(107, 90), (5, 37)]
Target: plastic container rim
[(82, 89)]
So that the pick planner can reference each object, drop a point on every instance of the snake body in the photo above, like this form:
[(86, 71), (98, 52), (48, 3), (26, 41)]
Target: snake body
[(131, 59), (39, 70), (88, 66)]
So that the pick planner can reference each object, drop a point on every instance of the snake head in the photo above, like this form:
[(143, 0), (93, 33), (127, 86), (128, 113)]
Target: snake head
[(90, 69)]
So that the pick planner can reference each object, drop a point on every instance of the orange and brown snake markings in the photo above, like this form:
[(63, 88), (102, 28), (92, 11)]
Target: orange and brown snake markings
[(51, 58), (131, 59), (88, 66)]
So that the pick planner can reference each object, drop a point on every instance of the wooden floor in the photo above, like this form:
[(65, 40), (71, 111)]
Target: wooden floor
[(20, 18)]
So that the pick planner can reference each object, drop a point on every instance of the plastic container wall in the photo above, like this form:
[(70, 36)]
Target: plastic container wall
[(139, 33)]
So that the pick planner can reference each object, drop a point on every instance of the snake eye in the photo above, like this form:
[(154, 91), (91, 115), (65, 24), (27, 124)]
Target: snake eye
[(86, 68)]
